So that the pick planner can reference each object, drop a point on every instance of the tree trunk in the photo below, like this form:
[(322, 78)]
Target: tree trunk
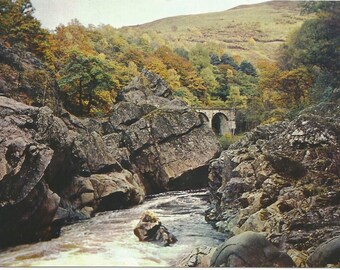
[(90, 103), (80, 92)]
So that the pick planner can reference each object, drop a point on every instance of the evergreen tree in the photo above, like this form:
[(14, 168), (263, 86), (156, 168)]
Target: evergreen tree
[(248, 68)]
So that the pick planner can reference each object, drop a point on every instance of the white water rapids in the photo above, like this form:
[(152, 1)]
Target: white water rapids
[(108, 238)]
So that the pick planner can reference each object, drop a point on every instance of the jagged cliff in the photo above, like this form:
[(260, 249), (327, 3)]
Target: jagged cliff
[(284, 180)]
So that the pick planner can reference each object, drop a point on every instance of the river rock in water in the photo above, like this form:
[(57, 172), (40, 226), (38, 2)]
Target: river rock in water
[(151, 229), (326, 253), (249, 249), (282, 179)]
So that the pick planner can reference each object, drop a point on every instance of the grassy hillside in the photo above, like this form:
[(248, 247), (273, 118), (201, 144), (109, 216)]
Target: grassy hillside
[(251, 31)]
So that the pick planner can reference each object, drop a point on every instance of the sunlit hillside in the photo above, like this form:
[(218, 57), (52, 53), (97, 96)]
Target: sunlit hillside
[(251, 31)]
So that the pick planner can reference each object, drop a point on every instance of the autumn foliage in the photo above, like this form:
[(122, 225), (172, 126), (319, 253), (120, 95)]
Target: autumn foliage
[(92, 64)]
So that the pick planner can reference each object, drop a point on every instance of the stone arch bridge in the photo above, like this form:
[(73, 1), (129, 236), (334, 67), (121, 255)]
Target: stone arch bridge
[(221, 120)]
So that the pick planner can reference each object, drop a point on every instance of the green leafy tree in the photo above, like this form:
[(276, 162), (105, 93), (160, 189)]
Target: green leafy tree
[(316, 43), (235, 100), (209, 79), (199, 57), (182, 53), (221, 75), (84, 79)]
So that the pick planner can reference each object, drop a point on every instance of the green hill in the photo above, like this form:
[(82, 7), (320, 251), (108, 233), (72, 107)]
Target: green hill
[(251, 31)]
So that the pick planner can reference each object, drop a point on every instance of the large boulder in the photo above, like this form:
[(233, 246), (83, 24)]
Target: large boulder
[(249, 249), (326, 253), (55, 170), (163, 136), (282, 179), (27, 205)]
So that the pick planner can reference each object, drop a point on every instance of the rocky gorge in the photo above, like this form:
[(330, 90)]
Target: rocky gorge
[(275, 193), (283, 180), (57, 168)]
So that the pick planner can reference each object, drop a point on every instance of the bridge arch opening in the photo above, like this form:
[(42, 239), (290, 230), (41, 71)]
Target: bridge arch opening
[(204, 117), (220, 124)]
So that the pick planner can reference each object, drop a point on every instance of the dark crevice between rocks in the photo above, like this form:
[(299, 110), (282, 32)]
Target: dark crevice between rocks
[(287, 167), (114, 201), (151, 186), (176, 136), (194, 179), (60, 171), (108, 168)]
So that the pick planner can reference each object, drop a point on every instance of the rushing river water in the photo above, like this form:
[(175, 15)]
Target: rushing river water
[(108, 239)]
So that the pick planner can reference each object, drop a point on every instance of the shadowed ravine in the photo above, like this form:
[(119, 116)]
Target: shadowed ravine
[(108, 239)]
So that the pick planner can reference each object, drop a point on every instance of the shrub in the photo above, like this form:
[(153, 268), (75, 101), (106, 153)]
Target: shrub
[(228, 139)]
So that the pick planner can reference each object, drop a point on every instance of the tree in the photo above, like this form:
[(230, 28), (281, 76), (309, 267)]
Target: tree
[(295, 83), (86, 81), (269, 85), (19, 27), (70, 38), (172, 61), (182, 53), (209, 79), (156, 65), (134, 55), (235, 100), (133, 69), (248, 68), (196, 85), (185, 94), (172, 79), (316, 43), (228, 60), (199, 57), (222, 78)]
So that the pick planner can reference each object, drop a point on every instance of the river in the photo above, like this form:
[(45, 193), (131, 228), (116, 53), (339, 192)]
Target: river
[(108, 239)]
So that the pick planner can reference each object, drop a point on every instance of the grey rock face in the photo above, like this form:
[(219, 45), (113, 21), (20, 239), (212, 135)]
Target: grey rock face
[(43, 158), (150, 143), (282, 179), (27, 206), (22, 75), (249, 249), (168, 144), (148, 88)]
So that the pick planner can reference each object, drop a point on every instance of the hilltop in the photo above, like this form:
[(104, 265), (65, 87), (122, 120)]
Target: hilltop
[(251, 31)]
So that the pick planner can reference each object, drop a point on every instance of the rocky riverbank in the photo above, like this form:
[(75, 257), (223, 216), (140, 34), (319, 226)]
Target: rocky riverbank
[(283, 180), (58, 169)]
